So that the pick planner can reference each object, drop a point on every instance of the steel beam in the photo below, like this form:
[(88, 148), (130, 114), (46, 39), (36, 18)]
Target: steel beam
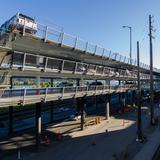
[(123, 101)]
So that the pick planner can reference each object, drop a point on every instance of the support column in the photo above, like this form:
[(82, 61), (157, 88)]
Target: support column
[(10, 120), (96, 99), (38, 123), (133, 98), (96, 102), (52, 105), (80, 103), (119, 94), (123, 101), (107, 106)]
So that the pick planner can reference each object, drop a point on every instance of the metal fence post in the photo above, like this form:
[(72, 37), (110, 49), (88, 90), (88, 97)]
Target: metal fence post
[(45, 37), (103, 52), (124, 59), (75, 44), (46, 62), (76, 91), (63, 92), (24, 61), (24, 94), (86, 47), (62, 38), (110, 54), (95, 49), (75, 69), (62, 66), (24, 27), (103, 71)]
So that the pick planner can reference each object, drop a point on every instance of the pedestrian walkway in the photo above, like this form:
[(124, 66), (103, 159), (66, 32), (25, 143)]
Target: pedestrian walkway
[(149, 149)]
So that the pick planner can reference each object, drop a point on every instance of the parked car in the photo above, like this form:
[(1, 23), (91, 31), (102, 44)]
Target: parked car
[(65, 84), (96, 83)]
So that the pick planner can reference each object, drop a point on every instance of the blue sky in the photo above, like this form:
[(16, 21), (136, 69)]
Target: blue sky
[(98, 21)]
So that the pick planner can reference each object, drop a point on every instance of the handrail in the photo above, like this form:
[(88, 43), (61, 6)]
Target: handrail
[(68, 65), (49, 33)]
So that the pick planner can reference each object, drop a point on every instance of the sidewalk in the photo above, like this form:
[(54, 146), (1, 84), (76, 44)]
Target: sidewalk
[(149, 149)]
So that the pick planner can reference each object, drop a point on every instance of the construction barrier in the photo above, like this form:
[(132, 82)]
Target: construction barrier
[(97, 120)]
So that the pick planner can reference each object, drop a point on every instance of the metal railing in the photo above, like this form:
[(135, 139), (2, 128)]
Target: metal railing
[(58, 36), (62, 38), (10, 96), (48, 64)]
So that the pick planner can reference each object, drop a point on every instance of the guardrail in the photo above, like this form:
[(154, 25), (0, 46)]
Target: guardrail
[(48, 64), (23, 96)]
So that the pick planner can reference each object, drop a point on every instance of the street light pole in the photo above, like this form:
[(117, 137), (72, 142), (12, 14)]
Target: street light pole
[(130, 31), (151, 71), (139, 121)]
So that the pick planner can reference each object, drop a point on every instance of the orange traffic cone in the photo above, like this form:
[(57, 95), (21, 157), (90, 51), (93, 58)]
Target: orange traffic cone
[(99, 121)]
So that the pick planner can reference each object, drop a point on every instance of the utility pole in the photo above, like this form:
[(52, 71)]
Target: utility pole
[(151, 71), (139, 121)]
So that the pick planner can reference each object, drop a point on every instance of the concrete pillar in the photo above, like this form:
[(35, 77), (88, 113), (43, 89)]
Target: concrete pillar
[(80, 103), (38, 80), (96, 99), (119, 94), (107, 106), (133, 98), (38, 123), (10, 120), (123, 100)]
